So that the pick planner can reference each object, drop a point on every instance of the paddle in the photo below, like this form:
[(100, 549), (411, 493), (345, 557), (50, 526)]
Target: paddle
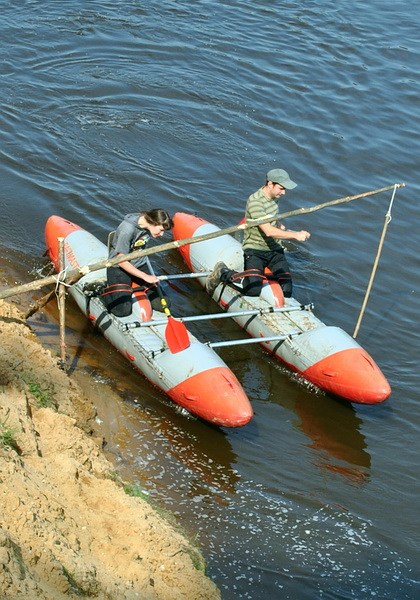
[(176, 334)]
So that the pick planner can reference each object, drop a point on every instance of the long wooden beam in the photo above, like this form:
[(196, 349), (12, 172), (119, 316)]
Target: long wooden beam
[(71, 277)]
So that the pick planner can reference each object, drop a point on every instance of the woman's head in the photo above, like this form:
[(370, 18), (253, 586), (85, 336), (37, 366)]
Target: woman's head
[(157, 221)]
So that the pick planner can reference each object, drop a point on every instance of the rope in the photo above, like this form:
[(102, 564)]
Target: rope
[(60, 279), (388, 219)]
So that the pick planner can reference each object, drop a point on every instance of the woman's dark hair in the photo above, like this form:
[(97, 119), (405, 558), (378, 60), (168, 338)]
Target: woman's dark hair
[(158, 216)]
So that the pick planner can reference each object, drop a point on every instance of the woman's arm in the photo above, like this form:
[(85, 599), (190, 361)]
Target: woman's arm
[(132, 270)]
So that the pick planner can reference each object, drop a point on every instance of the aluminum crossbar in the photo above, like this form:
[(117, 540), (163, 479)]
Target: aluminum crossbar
[(225, 315), (272, 338)]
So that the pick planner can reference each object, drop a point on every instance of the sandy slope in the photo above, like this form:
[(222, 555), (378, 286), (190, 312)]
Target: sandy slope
[(67, 528)]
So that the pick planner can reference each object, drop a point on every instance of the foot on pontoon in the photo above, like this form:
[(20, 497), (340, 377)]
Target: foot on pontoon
[(94, 288), (215, 276)]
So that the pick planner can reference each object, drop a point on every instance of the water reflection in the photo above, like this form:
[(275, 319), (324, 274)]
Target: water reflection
[(334, 429), (332, 425)]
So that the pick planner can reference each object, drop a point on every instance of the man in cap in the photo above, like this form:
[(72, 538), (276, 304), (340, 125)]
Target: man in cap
[(262, 245)]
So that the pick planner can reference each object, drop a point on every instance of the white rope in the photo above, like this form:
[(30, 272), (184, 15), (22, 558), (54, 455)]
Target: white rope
[(60, 279), (388, 214)]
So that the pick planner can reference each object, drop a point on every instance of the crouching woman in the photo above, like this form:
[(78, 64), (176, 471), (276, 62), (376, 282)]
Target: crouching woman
[(133, 233)]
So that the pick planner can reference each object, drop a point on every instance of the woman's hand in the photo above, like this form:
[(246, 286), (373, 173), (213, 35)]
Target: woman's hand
[(134, 272), (149, 278)]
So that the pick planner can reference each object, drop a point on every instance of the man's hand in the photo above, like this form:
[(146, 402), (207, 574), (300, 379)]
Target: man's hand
[(302, 236)]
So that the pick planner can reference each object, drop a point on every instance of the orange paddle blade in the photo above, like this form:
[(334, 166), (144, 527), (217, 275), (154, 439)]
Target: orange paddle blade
[(176, 336)]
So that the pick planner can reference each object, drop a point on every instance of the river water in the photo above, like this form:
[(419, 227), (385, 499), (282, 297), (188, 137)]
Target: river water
[(109, 107)]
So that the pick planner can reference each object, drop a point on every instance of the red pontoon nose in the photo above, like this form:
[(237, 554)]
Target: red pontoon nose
[(351, 374), (216, 396)]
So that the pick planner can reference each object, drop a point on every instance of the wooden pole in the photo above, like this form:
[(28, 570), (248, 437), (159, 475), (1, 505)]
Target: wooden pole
[(301, 211), (74, 275), (375, 266), (39, 304), (62, 305)]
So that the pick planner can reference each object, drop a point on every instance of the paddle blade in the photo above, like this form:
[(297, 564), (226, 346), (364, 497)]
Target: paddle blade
[(176, 336)]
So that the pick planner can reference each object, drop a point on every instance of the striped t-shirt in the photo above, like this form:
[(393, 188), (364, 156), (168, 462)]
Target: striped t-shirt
[(257, 207)]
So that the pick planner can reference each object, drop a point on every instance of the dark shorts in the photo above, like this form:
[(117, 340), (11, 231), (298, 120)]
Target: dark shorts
[(117, 296), (256, 261)]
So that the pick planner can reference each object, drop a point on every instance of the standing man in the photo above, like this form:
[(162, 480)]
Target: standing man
[(262, 244)]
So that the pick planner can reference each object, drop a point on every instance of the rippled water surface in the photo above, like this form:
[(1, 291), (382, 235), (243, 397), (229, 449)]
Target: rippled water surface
[(107, 107)]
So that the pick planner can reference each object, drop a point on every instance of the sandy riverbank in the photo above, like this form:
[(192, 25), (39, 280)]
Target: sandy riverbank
[(67, 527)]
